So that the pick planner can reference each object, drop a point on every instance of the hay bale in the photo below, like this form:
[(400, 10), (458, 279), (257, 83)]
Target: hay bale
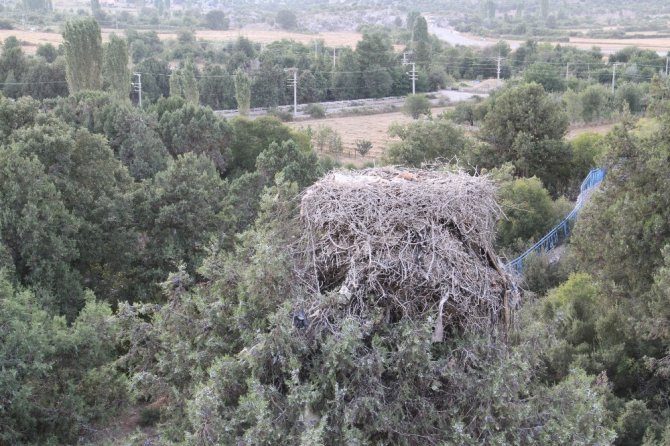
[(418, 243)]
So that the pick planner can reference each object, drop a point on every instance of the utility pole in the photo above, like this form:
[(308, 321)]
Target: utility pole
[(412, 74), (614, 76), (498, 69), (567, 70), (293, 81), (137, 86), (334, 58), (667, 61)]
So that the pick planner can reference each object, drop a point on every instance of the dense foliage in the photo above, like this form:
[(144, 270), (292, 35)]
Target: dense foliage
[(148, 255)]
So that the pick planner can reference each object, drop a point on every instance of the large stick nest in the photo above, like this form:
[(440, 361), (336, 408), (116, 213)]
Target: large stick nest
[(417, 243)]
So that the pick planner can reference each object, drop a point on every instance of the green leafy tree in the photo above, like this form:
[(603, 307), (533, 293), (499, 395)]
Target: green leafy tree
[(47, 51), (374, 49), (529, 214), (83, 55), (286, 19), (115, 67), (417, 105), (216, 19), (525, 126), (16, 114), (94, 187), (286, 158), (528, 109), (595, 101), (376, 82), (184, 84), (587, 150), (629, 96), (196, 129), (546, 75), (258, 378), (424, 142), (180, 210), (544, 9), (38, 232), (12, 58), (11, 87), (346, 84), (242, 92), (56, 380), (632, 209), (134, 138), (268, 88), (251, 137), (43, 80), (421, 46), (549, 160), (217, 88), (155, 79)]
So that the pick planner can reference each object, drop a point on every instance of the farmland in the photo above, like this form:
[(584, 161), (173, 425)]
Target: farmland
[(373, 128), (30, 39)]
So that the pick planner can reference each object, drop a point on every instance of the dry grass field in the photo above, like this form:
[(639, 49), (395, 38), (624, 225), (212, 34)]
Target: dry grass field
[(373, 128), (609, 46), (261, 33), (31, 39), (600, 129)]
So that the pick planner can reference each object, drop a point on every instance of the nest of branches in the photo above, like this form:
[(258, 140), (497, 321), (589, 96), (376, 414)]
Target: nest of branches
[(414, 243)]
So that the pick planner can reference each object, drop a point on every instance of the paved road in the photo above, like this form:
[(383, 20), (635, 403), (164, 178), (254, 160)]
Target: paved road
[(371, 105)]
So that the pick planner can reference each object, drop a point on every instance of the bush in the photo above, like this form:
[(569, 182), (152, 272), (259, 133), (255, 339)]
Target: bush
[(416, 105), (629, 95), (216, 19), (282, 115), (424, 142), (328, 139), (530, 214), (363, 146), (595, 103), (286, 19), (541, 274), (315, 111)]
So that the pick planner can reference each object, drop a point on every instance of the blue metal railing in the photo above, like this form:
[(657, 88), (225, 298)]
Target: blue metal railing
[(561, 231)]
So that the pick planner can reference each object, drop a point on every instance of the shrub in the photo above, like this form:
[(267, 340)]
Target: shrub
[(315, 111), (416, 105), (282, 115), (363, 146), (325, 138)]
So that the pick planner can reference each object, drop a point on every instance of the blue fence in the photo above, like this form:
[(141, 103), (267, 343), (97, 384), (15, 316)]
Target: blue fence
[(561, 231)]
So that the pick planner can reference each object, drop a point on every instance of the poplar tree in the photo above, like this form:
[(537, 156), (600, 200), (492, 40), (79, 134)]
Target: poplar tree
[(421, 41), (184, 84), (115, 67), (83, 55), (242, 92)]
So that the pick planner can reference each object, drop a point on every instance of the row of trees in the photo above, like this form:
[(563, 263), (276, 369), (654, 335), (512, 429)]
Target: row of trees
[(207, 73), (144, 260), (164, 232)]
